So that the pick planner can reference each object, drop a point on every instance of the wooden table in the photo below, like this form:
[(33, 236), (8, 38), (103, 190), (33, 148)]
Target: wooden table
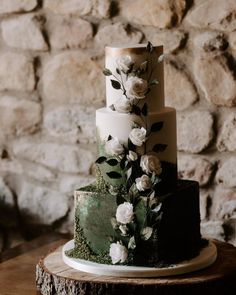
[(17, 265), (17, 274)]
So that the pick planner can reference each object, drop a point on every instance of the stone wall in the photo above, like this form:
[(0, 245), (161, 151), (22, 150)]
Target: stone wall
[(51, 56)]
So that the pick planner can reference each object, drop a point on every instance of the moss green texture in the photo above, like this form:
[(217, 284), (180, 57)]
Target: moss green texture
[(82, 250), (177, 236), (94, 207), (93, 213)]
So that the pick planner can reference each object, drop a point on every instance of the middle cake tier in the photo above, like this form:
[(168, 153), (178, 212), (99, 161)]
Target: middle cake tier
[(161, 139)]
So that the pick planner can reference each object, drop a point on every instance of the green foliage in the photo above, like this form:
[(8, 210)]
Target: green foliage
[(101, 160), (114, 174), (112, 162), (157, 126), (144, 110), (159, 147), (149, 47), (154, 82), (107, 72), (115, 84), (136, 110)]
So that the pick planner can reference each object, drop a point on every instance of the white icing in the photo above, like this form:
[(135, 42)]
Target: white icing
[(119, 125), (138, 54)]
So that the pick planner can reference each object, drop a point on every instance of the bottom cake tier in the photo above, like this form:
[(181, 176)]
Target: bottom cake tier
[(176, 236)]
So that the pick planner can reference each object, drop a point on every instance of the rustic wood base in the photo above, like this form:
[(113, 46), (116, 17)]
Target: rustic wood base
[(55, 277)]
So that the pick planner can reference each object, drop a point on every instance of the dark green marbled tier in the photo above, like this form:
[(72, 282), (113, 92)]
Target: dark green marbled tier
[(177, 237)]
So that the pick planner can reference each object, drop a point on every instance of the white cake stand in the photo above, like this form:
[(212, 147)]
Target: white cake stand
[(206, 257)]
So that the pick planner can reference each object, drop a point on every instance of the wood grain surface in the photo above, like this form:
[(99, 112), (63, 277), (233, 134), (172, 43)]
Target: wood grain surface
[(54, 277), (17, 267)]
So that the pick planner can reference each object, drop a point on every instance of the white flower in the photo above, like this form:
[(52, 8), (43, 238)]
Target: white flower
[(124, 213), (136, 88), (150, 163), (118, 253), (138, 136), (143, 183), (113, 147), (124, 63), (123, 105), (132, 156)]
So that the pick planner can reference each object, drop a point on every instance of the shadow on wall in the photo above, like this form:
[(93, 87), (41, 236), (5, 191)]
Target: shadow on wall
[(15, 228)]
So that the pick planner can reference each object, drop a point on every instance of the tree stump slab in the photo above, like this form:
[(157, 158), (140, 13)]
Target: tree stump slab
[(53, 276)]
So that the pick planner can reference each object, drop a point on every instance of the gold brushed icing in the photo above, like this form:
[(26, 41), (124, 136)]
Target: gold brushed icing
[(138, 50)]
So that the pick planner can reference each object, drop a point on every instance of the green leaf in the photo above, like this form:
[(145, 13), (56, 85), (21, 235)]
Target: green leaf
[(161, 58), (159, 217), (135, 125), (100, 160), (141, 213), (146, 233), (131, 146), (115, 84), (143, 66), (114, 223), (144, 109), (149, 47), (159, 147), (107, 72), (122, 163), (132, 244), (153, 177), (154, 82), (112, 162), (118, 71), (114, 175), (112, 107), (136, 110), (130, 179), (129, 172), (157, 208), (157, 126), (149, 89)]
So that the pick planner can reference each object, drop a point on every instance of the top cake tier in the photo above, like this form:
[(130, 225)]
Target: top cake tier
[(132, 71)]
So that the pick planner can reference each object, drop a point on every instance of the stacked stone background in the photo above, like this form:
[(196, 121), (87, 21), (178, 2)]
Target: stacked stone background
[(51, 57)]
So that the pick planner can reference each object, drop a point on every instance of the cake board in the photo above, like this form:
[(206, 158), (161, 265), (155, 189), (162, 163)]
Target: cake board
[(53, 276), (206, 257)]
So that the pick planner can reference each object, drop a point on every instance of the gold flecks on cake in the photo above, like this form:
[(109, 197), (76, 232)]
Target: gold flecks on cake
[(82, 250), (138, 50)]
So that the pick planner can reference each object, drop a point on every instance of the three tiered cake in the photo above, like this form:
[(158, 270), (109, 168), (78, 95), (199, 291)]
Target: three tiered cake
[(137, 212)]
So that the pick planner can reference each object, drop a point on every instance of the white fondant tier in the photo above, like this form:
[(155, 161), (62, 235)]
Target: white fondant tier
[(119, 125), (138, 54)]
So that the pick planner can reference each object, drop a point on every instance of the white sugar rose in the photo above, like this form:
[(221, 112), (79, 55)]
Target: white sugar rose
[(118, 253), (138, 136), (113, 147), (150, 163), (132, 156), (123, 105), (136, 88), (124, 213), (143, 183), (124, 63)]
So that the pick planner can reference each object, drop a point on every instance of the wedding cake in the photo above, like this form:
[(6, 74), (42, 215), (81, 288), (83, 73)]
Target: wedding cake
[(137, 212)]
